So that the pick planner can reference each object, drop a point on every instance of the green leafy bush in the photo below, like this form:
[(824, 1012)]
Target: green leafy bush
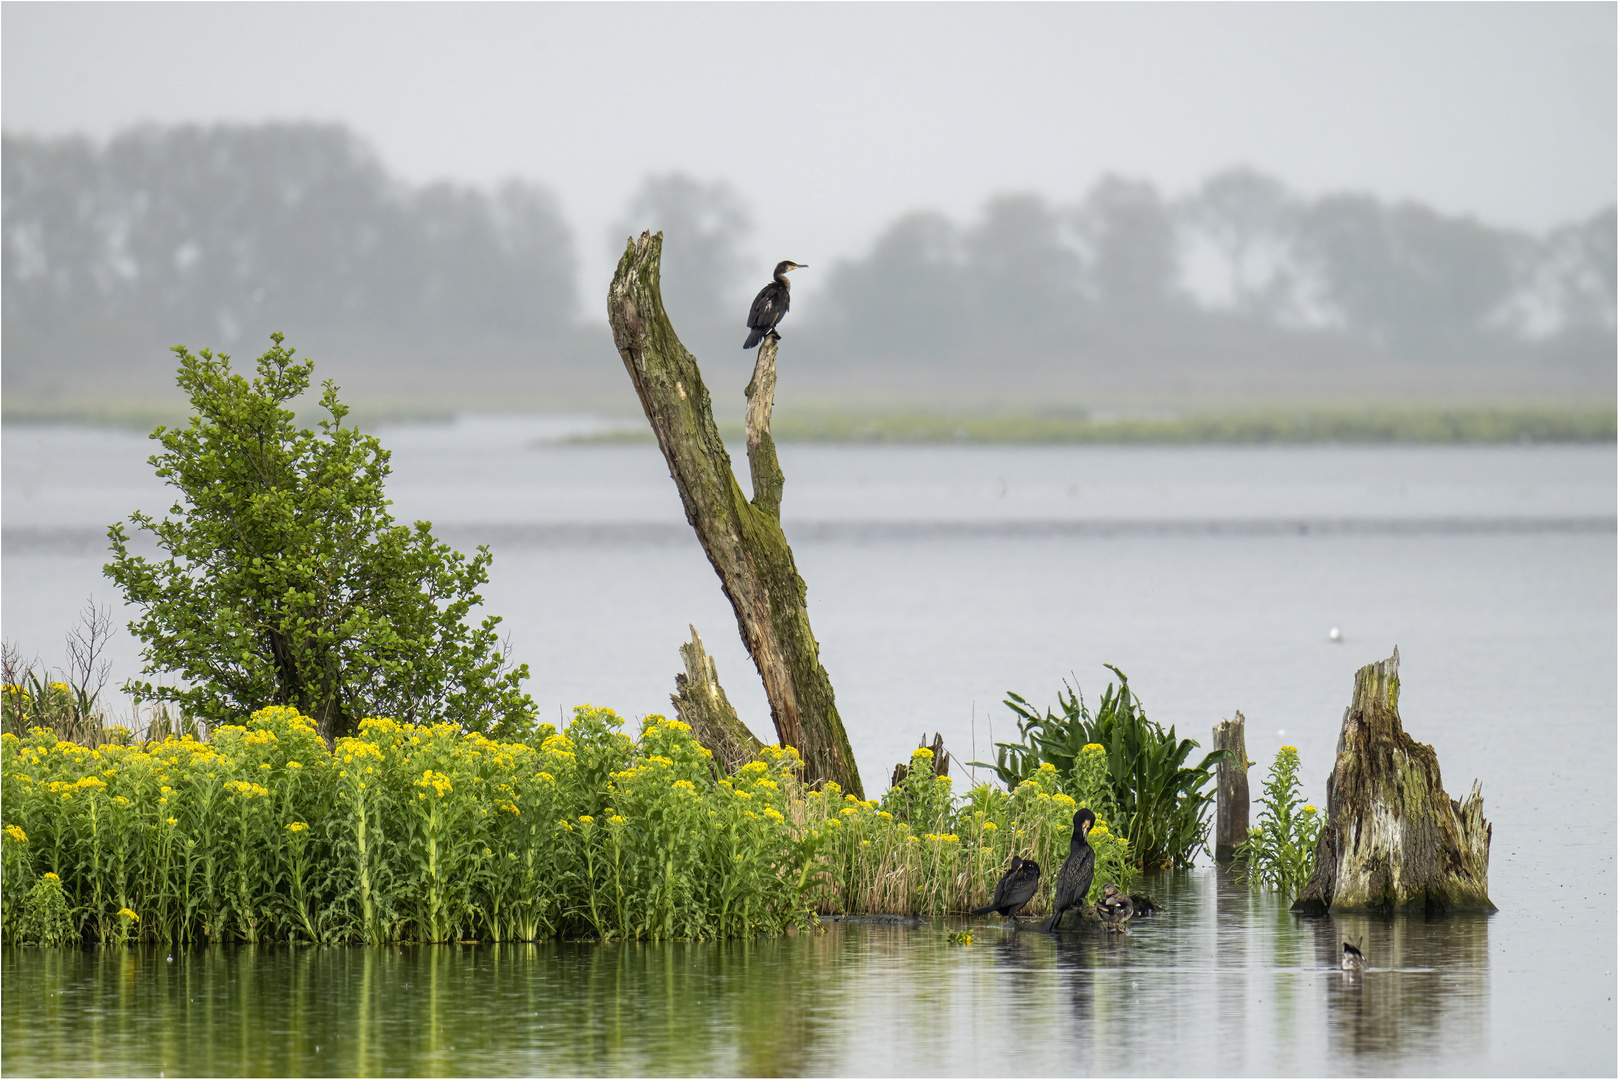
[(1278, 855), (46, 917), (1162, 803), (286, 580)]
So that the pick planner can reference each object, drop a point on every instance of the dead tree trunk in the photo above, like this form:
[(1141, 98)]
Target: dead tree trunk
[(941, 760), (743, 538), (1231, 804), (1393, 840), (700, 701)]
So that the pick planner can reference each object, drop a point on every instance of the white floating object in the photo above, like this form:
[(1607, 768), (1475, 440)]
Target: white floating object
[(1335, 634)]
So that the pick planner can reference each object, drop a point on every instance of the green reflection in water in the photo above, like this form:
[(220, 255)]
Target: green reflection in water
[(1225, 981)]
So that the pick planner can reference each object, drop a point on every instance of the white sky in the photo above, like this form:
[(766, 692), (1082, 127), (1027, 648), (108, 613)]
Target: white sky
[(833, 119)]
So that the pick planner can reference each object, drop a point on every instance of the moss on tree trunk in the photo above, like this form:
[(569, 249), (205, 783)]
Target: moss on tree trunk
[(742, 537), (1393, 840)]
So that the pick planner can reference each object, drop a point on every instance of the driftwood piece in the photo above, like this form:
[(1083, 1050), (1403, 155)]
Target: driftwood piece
[(941, 760), (700, 701), (742, 537), (1393, 840), (1231, 804)]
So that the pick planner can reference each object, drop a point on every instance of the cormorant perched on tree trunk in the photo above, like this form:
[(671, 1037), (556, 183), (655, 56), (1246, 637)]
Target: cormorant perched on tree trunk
[(1074, 879), (770, 305), (1015, 888)]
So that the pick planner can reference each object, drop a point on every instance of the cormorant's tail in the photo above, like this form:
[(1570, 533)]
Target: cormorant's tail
[(985, 910), (1051, 923), (755, 335)]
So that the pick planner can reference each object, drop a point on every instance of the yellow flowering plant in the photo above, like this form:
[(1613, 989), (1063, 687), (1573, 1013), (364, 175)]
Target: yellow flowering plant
[(1280, 851)]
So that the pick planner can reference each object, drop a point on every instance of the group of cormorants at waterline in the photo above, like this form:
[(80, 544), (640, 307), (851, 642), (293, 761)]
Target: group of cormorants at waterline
[(1018, 884), (771, 304), (1114, 909)]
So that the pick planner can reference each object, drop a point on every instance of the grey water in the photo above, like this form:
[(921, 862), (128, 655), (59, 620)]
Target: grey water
[(941, 577)]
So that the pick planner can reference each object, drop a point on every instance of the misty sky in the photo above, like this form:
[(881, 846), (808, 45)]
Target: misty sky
[(832, 119)]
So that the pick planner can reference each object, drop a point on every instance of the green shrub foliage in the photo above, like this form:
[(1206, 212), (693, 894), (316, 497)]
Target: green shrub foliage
[(286, 581), (1159, 801)]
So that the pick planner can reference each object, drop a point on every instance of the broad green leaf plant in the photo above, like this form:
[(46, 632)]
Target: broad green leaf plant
[(1162, 802)]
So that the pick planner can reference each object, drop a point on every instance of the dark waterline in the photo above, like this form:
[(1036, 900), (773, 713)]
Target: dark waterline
[(1224, 982)]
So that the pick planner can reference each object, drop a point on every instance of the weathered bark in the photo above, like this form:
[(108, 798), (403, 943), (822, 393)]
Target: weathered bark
[(1393, 840), (1231, 804), (700, 701), (742, 538), (941, 760)]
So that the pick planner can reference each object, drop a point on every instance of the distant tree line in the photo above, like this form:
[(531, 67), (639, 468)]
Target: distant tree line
[(1403, 277), (206, 234), (205, 230)]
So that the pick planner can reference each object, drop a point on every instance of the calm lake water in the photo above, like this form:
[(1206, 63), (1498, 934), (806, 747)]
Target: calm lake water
[(939, 578), (1223, 982)]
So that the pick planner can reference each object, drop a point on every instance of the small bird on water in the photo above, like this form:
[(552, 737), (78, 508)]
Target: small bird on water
[(1353, 959), (771, 304), (1115, 908), (1015, 888), (1074, 879)]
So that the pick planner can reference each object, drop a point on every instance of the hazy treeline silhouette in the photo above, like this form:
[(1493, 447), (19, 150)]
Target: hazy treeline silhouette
[(216, 235)]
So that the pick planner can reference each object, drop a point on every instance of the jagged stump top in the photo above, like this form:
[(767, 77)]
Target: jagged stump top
[(1393, 840)]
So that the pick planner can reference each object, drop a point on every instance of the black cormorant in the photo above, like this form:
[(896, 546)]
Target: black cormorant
[(1015, 888), (1074, 879), (771, 304), (1115, 907)]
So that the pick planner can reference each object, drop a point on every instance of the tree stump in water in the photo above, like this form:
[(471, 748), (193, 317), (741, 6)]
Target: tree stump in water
[(700, 701), (1393, 840), (742, 537), (1231, 805)]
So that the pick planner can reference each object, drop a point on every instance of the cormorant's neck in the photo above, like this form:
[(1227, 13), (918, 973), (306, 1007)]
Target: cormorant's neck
[(781, 279)]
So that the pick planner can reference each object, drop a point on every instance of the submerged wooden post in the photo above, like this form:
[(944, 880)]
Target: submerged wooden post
[(1393, 840), (700, 701), (742, 537), (1231, 804)]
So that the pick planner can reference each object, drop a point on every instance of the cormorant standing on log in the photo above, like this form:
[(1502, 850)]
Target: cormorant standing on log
[(770, 305), (1015, 888), (1074, 879)]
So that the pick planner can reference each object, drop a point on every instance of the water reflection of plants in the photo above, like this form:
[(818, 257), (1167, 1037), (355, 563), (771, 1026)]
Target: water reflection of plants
[(1278, 853), (1162, 803), (428, 834)]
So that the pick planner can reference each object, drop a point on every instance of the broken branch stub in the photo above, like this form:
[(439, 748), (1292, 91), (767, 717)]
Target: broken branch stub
[(700, 701), (742, 537), (1393, 840)]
